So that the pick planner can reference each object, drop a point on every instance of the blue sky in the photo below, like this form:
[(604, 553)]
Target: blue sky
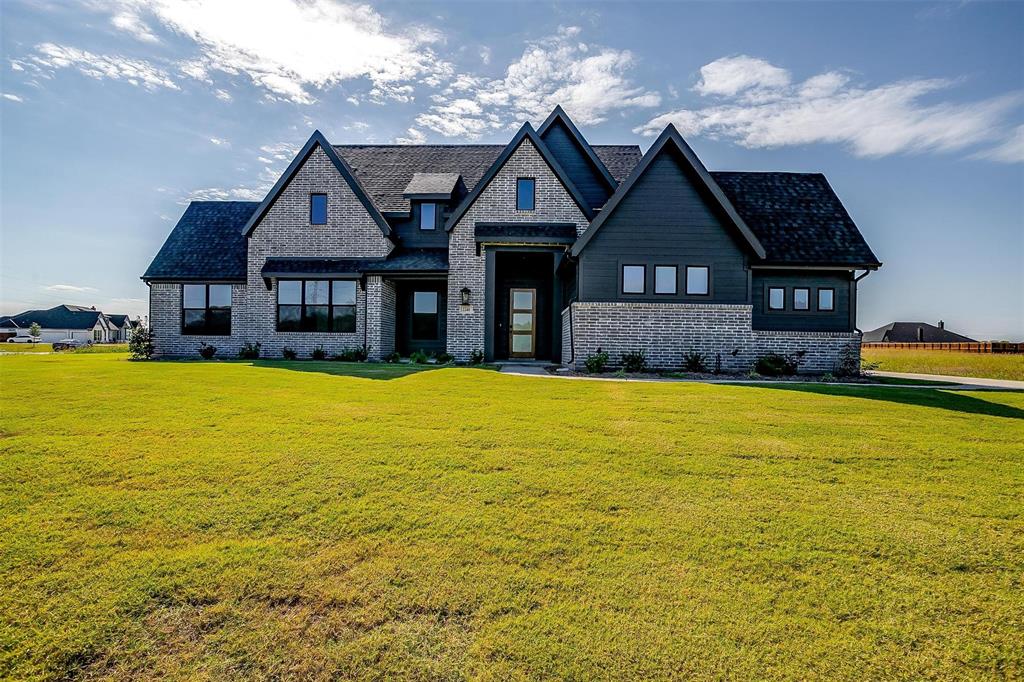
[(115, 114)]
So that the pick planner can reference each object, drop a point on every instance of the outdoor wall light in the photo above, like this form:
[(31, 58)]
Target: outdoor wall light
[(465, 295)]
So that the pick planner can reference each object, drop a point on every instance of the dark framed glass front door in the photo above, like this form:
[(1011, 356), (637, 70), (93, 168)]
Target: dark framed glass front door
[(522, 342)]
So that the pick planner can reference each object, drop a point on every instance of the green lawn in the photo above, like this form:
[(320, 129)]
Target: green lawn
[(991, 365), (25, 347), (230, 520)]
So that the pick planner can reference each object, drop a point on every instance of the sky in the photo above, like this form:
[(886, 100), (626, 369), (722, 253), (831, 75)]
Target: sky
[(114, 115)]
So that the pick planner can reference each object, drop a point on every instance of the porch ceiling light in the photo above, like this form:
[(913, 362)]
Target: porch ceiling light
[(465, 295)]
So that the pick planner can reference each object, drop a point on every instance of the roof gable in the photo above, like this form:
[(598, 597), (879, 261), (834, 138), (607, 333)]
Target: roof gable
[(526, 132), (206, 243), (317, 140), (577, 157), (57, 317), (670, 140)]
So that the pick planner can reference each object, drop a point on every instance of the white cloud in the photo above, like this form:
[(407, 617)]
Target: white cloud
[(1010, 151), (220, 142), (223, 95), (766, 110), (282, 151), (69, 289), (413, 136), (227, 194), (290, 48), (16, 65), (485, 55), (131, 23), (12, 97), (50, 56), (590, 82)]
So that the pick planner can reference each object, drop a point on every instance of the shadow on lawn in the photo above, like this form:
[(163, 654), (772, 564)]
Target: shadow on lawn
[(360, 370), (955, 401)]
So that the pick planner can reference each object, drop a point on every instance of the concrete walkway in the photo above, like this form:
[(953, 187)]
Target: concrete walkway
[(973, 382)]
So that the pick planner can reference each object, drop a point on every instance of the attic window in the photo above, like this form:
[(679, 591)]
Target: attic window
[(428, 216), (525, 190), (318, 209)]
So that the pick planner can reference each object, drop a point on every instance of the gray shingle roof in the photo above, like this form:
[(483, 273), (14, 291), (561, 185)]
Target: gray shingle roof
[(118, 320), (207, 243), (796, 217), (386, 170), (58, 317), (906, 332), (405, 260), (432, 183)]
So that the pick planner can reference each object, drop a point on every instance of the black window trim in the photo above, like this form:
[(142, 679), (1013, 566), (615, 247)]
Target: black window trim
[(768, 299), (206, 308), (817, 301), (654, 284), (302, 306), (534, 197), (802, 310), (436, 315), (436, 211), (622, 279), (326, 207), (686, 280)]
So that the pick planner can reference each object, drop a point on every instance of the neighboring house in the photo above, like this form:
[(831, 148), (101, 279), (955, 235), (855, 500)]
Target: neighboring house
[(121, 327), (914, 332), (60, 322), (545, 248)]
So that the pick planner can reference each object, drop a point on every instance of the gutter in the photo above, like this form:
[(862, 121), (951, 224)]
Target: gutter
[(855, 280)]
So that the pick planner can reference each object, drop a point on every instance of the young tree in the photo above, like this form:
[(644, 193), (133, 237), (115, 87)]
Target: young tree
[(35, 330), (140, 344)]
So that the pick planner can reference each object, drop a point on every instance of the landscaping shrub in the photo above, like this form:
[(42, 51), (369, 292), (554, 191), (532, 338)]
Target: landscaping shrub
[(775, 365), (695, 362), (206, 352), (250, 351), (596, 362), (476, 357), (140, 345), (419, 357), (849, 364), (443, 358), (357, 354), (318, 353), (289, 353), (634, 361), (393, 357)]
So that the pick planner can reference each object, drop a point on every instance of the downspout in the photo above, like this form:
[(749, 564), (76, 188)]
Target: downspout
[(856, 279), (366, 310)]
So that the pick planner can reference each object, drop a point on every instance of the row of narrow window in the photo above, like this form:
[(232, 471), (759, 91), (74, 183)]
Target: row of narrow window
[(799, 299), (666, 280)]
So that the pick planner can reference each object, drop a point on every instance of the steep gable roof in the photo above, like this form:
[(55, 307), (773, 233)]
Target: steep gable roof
[(668, 140), (579, 160), (207, 243), (318, 140), (526, 132), (58, 317)]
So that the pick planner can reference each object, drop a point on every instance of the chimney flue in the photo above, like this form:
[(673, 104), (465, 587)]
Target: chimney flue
[(942, 325)]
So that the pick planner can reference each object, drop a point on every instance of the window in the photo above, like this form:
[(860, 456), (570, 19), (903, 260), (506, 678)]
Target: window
[(698, 280), (826, 300), (206, 309), (801, 298), (525, 194), (318, 209), (664, 279), (316, 306), (424, 315), (633, 277), (428, 216), (776, 298)]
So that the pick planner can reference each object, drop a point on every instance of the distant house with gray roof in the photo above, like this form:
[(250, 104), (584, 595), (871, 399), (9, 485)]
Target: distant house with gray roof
[(914, 332), (59, 323)]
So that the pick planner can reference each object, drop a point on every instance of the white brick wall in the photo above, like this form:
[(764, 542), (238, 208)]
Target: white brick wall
[(380, 306), (497, 203)]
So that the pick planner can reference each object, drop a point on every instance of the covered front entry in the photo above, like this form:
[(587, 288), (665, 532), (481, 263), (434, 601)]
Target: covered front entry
[(420, 316), (525, 301)]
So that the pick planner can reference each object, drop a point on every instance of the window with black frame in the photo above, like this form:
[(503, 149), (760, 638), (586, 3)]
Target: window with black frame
[(425, 316), (206, 309), (316, 305)]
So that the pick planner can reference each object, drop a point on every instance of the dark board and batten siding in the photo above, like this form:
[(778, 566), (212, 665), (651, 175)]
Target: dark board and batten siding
[(839, 320), (664, 220), (577, 166), (408, 232)]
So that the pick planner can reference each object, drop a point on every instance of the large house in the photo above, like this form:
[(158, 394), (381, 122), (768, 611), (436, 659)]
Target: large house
[(547, 248), (914, 332), (59, 323)]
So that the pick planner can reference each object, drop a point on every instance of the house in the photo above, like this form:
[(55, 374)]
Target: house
[(60, 322), (121, 327), (914, 332), (545, 248)]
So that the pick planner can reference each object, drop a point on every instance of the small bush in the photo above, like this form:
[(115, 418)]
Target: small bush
[(596, 362), (775, 365), (695, 362), (357, 354), (140, 345), (393, 357), (206, 352), (443, 358), (476, 357), (318, 353), (419, 357), (827, 378), (634, 361), (289, 353), (250, 351)]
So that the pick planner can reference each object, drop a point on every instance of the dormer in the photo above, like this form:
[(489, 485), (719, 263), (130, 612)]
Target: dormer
[(431, 196)]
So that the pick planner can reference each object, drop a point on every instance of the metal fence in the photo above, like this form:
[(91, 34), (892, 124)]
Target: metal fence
[(972, 347)]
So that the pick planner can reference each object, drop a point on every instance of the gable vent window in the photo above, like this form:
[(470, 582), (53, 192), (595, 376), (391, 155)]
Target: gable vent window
[(206, 309), (428, 216), (318, 209), (525, 188)]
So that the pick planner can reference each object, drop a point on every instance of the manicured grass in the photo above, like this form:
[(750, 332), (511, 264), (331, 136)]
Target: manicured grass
[(205, 520), (990, 365), (25, 347)]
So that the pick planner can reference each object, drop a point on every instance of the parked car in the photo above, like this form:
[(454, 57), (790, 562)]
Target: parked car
[(24, 339), (70, 344)]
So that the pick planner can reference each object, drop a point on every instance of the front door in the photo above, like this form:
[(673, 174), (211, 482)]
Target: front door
[(522, 323)]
